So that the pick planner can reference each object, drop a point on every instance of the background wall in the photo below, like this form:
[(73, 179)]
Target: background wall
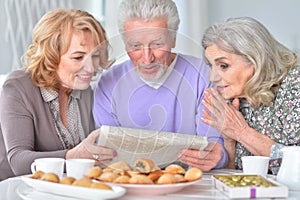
[(17, 18), (280, 17)]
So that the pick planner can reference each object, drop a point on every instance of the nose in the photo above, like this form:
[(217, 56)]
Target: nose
[(214, 75), (148, 56), (88, 65)]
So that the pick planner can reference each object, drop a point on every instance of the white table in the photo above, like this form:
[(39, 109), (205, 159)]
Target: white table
[(203, 190)]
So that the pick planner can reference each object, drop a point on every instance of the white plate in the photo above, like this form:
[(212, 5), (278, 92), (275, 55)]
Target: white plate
[(74, 191), (155, 189), (28, 193)]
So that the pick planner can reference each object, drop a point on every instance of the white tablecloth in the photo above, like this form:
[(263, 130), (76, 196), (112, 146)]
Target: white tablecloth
[(10, 188)]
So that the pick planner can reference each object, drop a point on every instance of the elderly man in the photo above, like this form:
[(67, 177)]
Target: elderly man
[(157, 89)]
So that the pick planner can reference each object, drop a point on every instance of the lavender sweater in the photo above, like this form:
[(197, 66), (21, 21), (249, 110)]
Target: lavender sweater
[(121, 98)]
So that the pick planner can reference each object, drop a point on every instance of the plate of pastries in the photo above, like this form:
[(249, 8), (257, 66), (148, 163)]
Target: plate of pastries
[(146, 178), (83, 188)]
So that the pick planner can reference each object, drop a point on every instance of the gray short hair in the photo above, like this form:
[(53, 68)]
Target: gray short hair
[(147, 10), (248, 38)]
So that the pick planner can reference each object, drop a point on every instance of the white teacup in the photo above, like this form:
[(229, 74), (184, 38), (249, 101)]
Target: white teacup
[(47, 165), (77, 167), (255, 165)]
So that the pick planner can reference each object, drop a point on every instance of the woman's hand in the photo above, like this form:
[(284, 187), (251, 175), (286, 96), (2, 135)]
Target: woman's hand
[(223, 116), (203, 159), (89, 149)]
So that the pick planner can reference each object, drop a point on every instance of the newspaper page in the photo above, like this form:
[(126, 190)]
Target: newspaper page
[(161, 147)]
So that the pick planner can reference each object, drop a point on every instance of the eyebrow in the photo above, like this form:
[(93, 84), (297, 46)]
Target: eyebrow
[(78, 52), (156, 39), (219, 58)]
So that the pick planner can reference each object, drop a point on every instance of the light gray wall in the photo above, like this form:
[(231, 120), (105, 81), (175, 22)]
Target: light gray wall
[(282, 18), (5, 47), (18, 17)]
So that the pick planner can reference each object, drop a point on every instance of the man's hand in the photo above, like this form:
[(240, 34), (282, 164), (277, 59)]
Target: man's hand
[(203, 159)]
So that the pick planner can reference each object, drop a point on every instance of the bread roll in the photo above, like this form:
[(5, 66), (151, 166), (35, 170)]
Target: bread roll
[(51, 177), (94, 172), (99, 185), (174, 169), (131, 173), (155, 175), (144, 165), (67, 180), (107, 177), (119, 172), (83, 182), (37, 175), (166, 179), (179, 178), (124, 179), (140, 179), (120, 165), (193, 174)]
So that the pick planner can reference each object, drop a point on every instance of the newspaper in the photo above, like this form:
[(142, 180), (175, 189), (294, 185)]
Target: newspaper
[(161, 147)]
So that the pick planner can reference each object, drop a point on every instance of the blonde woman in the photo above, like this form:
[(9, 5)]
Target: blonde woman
[(46, 107)]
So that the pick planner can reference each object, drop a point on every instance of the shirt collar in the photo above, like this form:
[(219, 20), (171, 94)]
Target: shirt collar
[(161, 81), (50, 95)]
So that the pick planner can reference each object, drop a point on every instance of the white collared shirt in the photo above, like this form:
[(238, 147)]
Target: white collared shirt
[(162, 79)]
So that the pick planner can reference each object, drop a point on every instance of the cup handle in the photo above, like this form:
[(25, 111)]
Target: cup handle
[(33, 169)]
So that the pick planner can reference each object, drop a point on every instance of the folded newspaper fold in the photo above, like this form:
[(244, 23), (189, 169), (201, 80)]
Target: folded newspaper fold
[(161, 147)]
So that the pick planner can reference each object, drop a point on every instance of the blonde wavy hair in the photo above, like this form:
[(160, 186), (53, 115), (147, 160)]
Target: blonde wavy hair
[(248, 38), (51, 38)]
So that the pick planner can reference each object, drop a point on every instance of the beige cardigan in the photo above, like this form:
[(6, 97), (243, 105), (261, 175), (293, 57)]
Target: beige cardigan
[(27, 127)]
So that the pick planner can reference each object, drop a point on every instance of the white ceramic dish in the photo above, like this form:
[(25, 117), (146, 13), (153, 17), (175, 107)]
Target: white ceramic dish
[(155, 189), (74, 191), (28, 193)]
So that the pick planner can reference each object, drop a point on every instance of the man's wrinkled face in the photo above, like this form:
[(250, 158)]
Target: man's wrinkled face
[(149, 44)]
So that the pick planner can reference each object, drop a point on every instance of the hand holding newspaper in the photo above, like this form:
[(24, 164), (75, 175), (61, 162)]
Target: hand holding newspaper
[(161, 147)]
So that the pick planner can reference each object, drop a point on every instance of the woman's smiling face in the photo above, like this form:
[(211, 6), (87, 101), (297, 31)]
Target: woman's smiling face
[(77, 65), (229, 72)]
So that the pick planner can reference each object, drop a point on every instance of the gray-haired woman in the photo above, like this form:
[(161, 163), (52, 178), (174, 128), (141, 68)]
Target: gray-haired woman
[(256, 103)]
